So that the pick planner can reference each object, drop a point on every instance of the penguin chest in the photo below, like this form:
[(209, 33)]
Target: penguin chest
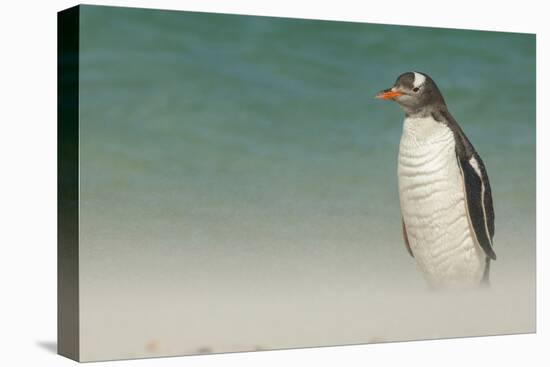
[(433, 205)]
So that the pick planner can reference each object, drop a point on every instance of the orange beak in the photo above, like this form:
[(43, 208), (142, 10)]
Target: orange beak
[(388, 94)]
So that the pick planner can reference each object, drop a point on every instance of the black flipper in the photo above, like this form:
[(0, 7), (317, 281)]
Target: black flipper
[(477, 198), (406, 237)]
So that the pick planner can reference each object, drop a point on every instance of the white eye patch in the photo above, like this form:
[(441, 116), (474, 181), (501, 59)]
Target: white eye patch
[(419, 79)]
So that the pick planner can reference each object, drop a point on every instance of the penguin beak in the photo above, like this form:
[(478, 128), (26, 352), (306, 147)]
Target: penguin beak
[(388, 94)]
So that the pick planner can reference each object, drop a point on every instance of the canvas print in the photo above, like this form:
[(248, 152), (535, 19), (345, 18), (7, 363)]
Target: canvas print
[(238, 183)]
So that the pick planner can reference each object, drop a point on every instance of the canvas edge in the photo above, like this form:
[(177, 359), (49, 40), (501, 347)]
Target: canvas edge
[(68, 326)]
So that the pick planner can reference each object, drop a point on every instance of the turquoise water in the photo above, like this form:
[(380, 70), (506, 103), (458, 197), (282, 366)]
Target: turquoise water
[(237, 173)]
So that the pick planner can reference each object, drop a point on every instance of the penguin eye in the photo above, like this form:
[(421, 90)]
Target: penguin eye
[(416, 89)]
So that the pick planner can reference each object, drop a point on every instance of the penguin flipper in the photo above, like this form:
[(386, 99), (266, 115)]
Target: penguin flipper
[(406, 238), (479, 203)]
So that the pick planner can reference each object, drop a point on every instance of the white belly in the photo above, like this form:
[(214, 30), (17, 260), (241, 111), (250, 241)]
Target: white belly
[(434, 207)]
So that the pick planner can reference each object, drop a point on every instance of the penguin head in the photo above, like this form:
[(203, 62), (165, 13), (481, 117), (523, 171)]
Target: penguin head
[(414, 92)]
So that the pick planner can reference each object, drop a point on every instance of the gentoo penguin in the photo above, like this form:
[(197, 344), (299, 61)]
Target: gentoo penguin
[(444, 192)]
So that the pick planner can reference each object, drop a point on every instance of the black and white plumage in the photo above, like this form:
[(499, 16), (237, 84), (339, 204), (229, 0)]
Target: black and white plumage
[(444, 190)]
